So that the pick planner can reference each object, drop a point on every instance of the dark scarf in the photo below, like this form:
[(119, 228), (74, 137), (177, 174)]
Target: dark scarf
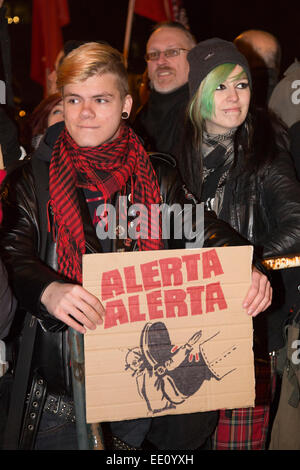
[(161, 120), (218, 155), (105, 168)]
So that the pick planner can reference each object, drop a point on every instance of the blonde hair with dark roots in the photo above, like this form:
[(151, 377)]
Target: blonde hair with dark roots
[(91, 59)]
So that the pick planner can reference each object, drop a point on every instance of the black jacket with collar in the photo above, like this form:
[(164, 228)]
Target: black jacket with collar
[(28, 249), (159, 122), (264, 207)]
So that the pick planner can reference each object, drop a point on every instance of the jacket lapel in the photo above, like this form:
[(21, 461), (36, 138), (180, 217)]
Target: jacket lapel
[(91, 241)]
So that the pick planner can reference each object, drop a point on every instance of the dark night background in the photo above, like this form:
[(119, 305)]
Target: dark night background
[(106, 20)]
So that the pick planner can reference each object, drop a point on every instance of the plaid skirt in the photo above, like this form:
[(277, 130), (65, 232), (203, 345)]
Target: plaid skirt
[(247, 428)]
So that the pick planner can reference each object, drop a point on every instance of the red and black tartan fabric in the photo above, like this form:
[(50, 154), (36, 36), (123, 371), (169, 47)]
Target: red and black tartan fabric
[(242, 429), (247, 428), (105, 168)]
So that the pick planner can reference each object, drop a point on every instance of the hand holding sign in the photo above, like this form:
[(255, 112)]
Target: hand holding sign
[(73, 305), (259, 296), (79, 309)]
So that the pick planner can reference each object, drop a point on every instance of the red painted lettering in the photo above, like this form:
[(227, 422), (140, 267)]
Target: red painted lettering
[(191, 266), (171, 271), (130, 280), (111, 284), (214, 296), (195, 293), (149, 272), (115, 312), (134, 309), (211, 263), (154, 302), (175, 303)]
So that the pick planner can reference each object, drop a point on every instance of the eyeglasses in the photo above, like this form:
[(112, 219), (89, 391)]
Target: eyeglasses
[(169, 53)]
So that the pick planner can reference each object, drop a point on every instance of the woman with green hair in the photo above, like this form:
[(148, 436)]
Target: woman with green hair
[(236, 162)]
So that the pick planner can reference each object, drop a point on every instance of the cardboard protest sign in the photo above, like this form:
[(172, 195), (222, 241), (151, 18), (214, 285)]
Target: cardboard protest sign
[(175, 338)]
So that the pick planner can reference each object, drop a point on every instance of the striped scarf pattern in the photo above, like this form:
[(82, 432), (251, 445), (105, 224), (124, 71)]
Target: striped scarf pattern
[(105, 168)]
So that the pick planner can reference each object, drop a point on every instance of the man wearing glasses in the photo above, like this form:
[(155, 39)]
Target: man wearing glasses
[(159, 121)]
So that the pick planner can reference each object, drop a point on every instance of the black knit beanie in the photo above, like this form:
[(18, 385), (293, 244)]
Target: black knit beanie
[(207, 55)]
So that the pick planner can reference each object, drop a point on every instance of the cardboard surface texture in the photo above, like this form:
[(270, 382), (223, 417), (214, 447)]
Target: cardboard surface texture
[(175, 337)]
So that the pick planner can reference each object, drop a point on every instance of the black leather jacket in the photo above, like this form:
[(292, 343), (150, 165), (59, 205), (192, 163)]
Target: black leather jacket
[(25, 241), (7, 303), (265, 208)]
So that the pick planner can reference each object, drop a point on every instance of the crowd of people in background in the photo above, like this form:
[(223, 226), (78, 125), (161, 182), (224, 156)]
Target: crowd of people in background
[(216, 119)]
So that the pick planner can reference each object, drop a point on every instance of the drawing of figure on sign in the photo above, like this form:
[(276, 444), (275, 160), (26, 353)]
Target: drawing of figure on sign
[(167, 375)]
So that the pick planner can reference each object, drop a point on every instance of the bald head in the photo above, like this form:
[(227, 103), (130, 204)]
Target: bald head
[(261, 48)]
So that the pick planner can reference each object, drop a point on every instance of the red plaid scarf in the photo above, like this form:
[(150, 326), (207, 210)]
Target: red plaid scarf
[(118, 161)]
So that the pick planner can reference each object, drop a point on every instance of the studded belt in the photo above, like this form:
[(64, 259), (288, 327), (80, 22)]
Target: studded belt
[(60, 406), (39, 401), (34, 408)]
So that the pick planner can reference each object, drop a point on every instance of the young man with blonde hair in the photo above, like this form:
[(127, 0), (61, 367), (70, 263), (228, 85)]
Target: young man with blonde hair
[(51, 219)]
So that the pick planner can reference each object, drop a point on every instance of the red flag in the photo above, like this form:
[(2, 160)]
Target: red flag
[(161, 10), (48, 17), (154, 10)]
